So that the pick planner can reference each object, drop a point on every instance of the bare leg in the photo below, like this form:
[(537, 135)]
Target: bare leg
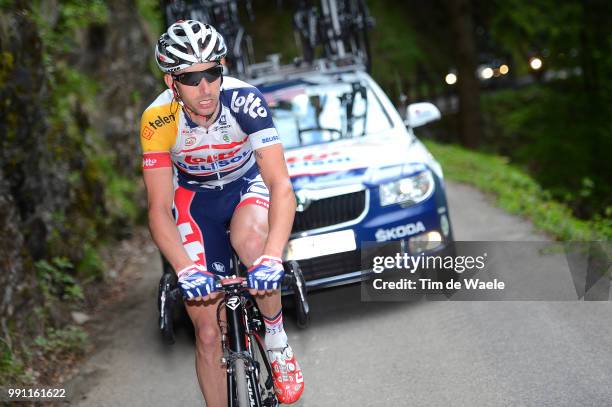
[(248, 234), (211, 373)]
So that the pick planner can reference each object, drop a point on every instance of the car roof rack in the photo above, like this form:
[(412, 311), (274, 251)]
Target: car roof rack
[(271, 70)]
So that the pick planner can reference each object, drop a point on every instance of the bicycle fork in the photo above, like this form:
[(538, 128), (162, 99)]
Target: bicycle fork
[(238, 348)]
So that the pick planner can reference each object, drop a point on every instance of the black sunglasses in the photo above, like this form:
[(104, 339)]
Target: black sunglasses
[(194, 78)]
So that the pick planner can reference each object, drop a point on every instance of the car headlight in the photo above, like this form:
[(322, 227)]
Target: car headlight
[(407, 191)]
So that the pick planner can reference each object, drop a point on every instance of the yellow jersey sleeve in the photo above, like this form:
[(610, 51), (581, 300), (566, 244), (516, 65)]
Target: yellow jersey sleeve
[(158, 128)]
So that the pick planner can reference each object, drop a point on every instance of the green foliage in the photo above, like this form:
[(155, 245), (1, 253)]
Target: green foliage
[(11, 366), (90, 265), (523, 27), (50, 348), (517, 192), (57, 26), (394, 44), (561, 136), (72, 91), (567, 34), (20, 359), (56, 281), (100, 195), (120, 192), (69, 138), (6, 4), (82, 193), (6, 65), (272, 31), (57, 341), (152, 14), (558, 129)]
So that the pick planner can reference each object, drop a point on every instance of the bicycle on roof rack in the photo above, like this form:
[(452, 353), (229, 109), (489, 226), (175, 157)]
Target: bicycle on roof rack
[(340, 27), (225, 17)]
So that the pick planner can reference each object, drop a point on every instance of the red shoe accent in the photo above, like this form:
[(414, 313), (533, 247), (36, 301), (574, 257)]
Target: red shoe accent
[(287, 376)]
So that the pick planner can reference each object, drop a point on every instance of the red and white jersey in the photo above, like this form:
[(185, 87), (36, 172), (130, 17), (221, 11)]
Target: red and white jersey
[(214, 156)]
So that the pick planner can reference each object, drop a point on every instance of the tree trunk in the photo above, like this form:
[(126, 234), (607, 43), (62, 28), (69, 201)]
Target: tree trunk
[(470, 126)]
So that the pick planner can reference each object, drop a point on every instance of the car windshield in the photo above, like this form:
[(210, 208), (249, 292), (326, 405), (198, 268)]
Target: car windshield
[(306, 114)]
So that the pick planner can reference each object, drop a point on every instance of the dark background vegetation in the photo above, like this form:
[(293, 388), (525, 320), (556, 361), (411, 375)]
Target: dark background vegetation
[(76, 75), (555, 123)]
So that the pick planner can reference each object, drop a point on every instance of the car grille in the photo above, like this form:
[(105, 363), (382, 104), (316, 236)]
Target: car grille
[(331, 265), (330, 211)]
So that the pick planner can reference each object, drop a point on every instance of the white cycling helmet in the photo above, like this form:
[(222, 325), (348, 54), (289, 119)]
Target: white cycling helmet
[(187, 43)]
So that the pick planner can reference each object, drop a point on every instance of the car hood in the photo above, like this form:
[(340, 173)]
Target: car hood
[(350, 162)]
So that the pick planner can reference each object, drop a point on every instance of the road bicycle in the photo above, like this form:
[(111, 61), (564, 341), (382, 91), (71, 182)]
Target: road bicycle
[(175, 10), (340, 27), (305, 28), (355, 21), (249, 374), (225, 17)]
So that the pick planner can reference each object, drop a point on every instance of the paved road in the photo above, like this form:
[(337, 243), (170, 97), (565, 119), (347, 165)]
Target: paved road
[(426, 353)]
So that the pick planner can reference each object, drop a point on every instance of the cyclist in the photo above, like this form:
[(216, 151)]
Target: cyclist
[(213, 163)]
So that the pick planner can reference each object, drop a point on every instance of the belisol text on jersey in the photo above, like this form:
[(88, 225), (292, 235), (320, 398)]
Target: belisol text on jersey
[(210, 163)]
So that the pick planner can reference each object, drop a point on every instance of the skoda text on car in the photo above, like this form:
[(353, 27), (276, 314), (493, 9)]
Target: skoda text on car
[(359, 173)]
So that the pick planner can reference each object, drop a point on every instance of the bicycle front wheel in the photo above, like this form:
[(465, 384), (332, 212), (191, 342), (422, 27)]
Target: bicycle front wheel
[(263, 373), (242, 386)]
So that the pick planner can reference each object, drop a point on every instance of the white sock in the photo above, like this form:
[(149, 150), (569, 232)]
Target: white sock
[(276, 338)]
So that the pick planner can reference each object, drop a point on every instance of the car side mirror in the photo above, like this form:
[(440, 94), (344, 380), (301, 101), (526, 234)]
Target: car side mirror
[(418, 114)]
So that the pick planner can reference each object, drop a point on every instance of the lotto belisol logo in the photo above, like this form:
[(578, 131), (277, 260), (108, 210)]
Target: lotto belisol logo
[(488, 271), (249, 104)]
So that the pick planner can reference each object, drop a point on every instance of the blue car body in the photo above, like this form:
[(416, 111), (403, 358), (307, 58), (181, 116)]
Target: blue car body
[(348, 175)]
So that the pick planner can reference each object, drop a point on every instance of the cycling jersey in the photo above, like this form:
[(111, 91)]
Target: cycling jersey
[(214, 156), (215, 171)]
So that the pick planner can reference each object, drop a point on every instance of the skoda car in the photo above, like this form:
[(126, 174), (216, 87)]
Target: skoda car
[(359, 173)]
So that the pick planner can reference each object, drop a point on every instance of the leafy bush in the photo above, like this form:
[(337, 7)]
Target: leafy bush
[(57, 341), (517, 192), (56, 280), (562, 137)]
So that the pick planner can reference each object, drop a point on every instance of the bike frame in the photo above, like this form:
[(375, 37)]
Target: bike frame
[(237, 340), (237, 343)]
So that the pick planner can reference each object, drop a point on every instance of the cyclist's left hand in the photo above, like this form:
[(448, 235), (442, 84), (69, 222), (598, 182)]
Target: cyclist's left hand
[(266, 273)]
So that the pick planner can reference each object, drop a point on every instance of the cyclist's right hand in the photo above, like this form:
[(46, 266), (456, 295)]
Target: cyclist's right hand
[(195, 282)]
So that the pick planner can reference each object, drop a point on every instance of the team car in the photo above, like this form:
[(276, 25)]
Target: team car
[(360, 175)]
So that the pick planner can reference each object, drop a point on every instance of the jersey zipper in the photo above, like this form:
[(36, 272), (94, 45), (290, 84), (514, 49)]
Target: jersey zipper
[(214, 160)]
